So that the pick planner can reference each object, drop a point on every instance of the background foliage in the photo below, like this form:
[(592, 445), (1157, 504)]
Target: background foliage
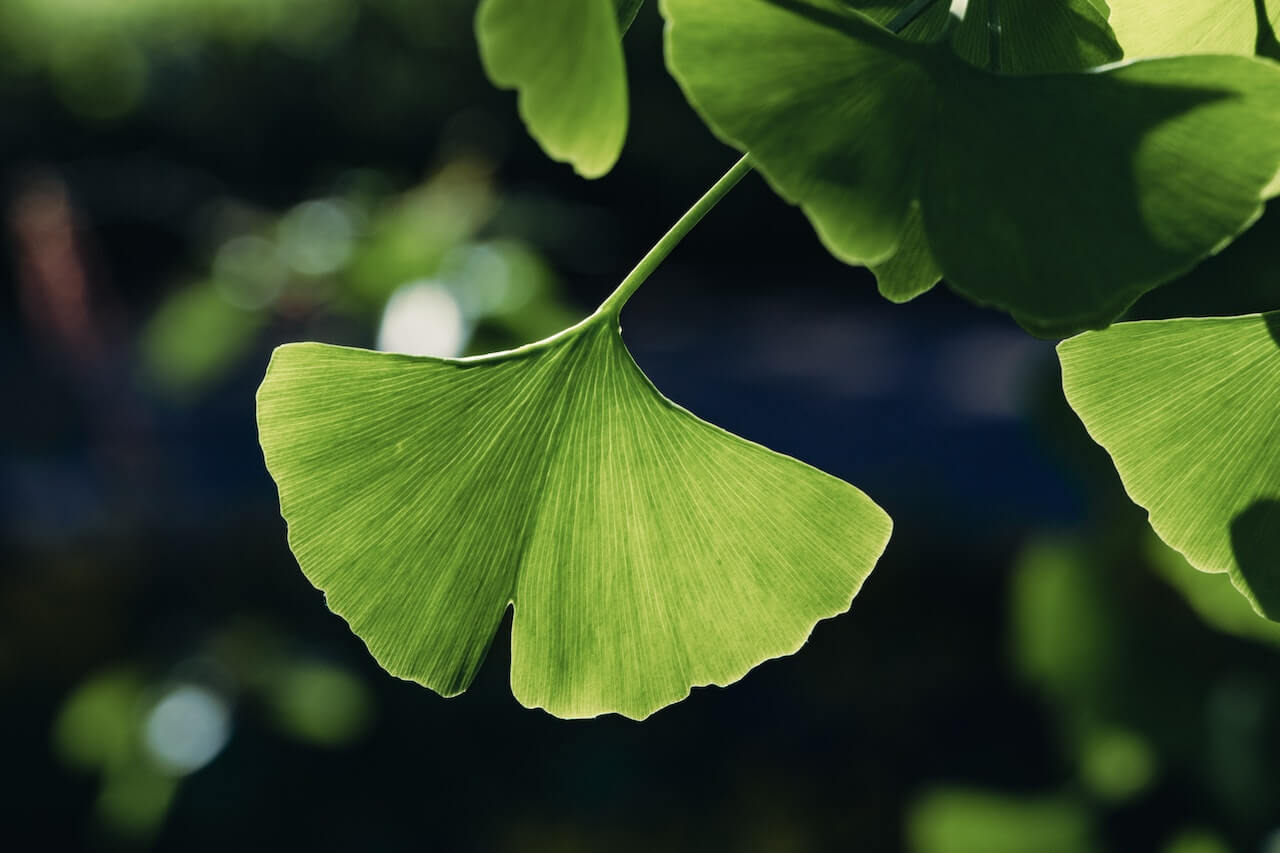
[(186, 184)]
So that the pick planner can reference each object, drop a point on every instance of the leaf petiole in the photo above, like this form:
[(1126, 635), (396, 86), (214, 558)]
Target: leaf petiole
[(650, 262)]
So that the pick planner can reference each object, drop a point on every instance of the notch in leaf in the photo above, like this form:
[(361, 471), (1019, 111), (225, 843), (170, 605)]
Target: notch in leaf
[(565, 59), (644, 550), (1058, 197), (1189, 410)]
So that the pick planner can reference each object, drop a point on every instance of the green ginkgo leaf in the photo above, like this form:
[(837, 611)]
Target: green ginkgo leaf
[(1060, 198), (564, 57), (1175, 27), (1035, 37), (1190, 412), (644, 550), (912, 269)]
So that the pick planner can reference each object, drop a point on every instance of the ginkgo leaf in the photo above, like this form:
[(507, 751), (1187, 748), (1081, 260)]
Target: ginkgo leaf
[(1169, 27), (911, 270), (1190, 412), (1060, 198), (1036, 37), (644, 550), (564, 57)]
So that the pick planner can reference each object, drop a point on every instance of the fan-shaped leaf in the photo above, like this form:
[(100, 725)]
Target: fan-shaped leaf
[(645, 551), (1190, 412), (1060, 198), (565, 59)]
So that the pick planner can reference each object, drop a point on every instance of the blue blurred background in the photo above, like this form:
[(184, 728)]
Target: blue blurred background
[(187, 183)]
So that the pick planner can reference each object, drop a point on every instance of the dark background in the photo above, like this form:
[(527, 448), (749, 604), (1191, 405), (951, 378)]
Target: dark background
[(1027, 669)]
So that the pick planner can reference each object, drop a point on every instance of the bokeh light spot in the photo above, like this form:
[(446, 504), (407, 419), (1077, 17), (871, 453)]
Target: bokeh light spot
[(248, 273), (423, 318), (187, 729), (316, 237)]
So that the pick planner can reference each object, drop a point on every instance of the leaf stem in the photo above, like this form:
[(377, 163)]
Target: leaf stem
[(613, 305)]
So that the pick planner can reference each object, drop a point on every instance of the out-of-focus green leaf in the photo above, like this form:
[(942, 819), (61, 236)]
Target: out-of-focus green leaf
[(1189, 411), (134, 801), (193, 337), (645, 551), (1168, 27), (1060, 198), (97, 726), (1059, 636), (961, 821), (1196, 841), (564, 57), (320, 703), (1116, 764), (409, 239)]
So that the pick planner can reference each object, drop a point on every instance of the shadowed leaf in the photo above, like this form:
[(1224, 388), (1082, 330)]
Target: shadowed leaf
[(1060, 198)]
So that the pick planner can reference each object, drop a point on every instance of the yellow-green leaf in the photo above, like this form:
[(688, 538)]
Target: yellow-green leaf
[(644, 551), (1190, 412), (1169, 27)]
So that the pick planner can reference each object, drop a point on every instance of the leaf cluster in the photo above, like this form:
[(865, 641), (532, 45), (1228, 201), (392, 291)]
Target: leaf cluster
[(1054, 160)]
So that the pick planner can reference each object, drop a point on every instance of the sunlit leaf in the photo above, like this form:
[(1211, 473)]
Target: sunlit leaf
[(1060, 198), (1165, 27), (564, 57), (1190, 412), (645, 551)]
